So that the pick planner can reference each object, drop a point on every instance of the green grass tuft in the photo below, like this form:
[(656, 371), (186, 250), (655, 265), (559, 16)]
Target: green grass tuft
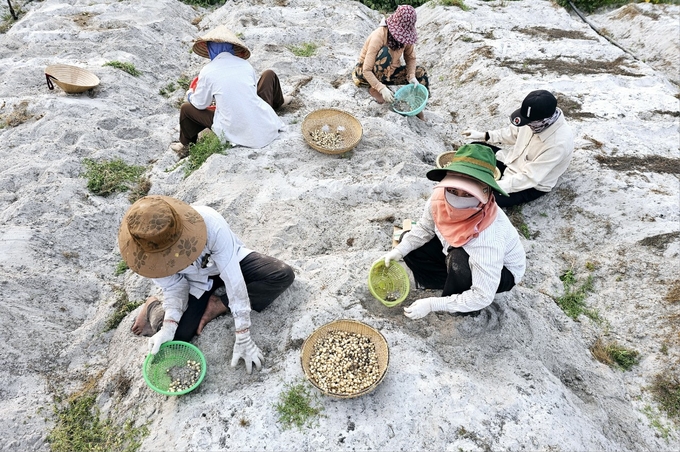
[(127, 67), (121, 268), (184, 83), (206, 146), (304, 50), (296, 407), (204, 3), (613, 354), (458, 3), (666, 393), (573, 301), (122, 307), (79, 427), (168, 89), (105, 178)]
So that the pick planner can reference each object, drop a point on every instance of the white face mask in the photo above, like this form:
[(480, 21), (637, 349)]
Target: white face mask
[(460, 202)]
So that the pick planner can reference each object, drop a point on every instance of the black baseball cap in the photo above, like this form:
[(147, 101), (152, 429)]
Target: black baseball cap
[(539, 104)]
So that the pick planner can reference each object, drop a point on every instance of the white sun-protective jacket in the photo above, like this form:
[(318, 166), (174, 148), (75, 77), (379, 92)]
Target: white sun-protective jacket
[(537, 160), (221, 256), (241, 116)]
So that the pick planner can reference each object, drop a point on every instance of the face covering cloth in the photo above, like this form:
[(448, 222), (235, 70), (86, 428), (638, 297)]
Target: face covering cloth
[(459, 226), (215, 48)]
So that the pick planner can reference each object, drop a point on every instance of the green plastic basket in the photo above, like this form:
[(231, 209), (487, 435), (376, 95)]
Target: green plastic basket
[(390, 284), (171, 354), (416, 97)]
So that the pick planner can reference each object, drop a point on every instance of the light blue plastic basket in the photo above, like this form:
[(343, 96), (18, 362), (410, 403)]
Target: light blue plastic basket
[(416, 96)]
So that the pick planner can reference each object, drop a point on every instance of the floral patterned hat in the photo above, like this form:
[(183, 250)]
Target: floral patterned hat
[(160, 236), (402, 24)]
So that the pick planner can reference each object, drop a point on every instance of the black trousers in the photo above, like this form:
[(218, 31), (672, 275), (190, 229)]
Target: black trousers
[(519, 197), (266, 278), (450, 273)]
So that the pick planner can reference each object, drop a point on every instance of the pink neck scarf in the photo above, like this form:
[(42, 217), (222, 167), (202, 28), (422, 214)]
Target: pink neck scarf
[(459, 226)]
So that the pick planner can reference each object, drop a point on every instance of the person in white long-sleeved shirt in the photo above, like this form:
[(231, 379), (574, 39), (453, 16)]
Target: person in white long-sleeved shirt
[(542, 142), (202, 269), (463, 243), (228, 97)]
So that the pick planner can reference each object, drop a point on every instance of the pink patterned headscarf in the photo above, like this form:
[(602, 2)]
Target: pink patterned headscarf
[(402, 24)]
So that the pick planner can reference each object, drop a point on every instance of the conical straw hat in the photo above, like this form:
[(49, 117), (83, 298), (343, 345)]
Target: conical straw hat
[(221, 34)]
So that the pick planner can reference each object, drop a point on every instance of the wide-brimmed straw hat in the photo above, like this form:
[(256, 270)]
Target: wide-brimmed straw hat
[(160, 236), (221, 34), (474, 160), (402, 24)]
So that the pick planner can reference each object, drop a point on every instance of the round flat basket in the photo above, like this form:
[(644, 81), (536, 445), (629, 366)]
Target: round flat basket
[(328, 332), (331, 131), (175, 360), (410, 100), (445, 158), (390, 285), (71, 79)]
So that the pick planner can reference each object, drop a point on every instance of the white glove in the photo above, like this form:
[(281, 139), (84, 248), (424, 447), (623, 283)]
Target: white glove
[(387, 95), (393, 255), (414, 82), (166, 334), (474, 135), (245, 348), (188, 95), (421, 308)]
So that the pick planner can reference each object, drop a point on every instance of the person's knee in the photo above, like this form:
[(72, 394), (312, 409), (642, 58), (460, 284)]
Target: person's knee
[(285, 275)]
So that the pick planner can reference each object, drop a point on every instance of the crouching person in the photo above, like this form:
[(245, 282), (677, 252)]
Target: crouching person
[(202, 269), (463, 244)]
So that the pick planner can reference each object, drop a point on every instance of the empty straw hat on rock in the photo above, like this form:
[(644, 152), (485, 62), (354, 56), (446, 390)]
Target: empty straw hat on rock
[(221, 34), (160, 236)]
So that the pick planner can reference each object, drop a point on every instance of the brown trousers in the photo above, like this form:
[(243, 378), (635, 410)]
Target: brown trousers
[(193, 121)]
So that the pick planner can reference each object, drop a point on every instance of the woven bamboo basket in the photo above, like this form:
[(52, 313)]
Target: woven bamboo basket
[(445, 158), (350, 326), (332, 120), (71, 79)]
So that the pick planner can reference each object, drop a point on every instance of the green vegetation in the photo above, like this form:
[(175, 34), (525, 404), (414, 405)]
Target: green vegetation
[(79, 427), (516, 217), (591, 5), (122, 307), (391, 5), (666, 393), (105, 178), (140, 190), (184, 83), (306, 49), (296, 407), (206, 146), (121, 268), (204, 3), (127, 67), (8, 19), (613, 354), (573, 300), (168, 89), (458, 3), (655, 422)]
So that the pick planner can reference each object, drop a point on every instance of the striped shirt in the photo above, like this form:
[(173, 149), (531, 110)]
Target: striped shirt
[(496, 247)]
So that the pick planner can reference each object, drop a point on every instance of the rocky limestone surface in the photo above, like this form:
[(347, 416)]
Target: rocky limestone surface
[(519, 376)]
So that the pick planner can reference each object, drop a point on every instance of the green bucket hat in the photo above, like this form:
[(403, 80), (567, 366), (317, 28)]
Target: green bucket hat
[(474, 160)]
